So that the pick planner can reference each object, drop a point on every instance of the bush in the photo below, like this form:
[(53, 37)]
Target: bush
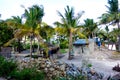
[(63, 51), (64, 44), (7, 67), (28, 74), (27, 46)]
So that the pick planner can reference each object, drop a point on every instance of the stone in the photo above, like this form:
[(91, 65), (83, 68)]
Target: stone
[(48, 65), (46, 69), (61, 69), (93, 71), (51, 69), (116, 77)]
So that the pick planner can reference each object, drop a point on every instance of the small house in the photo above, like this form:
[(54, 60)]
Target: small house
[(85, 46)]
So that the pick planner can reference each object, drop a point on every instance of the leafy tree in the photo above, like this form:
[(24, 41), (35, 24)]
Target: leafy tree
[(14, 23), (33, 20), (46, 31), (113, 36), (90, 27), (68, 24), (112, 17), (6, 33), (31, 27)]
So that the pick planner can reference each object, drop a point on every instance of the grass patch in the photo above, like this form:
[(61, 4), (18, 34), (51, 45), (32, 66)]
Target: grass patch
[(63, 51)]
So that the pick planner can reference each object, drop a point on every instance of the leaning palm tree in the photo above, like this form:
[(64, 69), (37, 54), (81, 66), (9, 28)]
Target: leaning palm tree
[(69, 21), (112, 17), (16, 20)]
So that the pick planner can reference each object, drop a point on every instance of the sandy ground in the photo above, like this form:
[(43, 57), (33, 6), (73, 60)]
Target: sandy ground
[(100, 60)]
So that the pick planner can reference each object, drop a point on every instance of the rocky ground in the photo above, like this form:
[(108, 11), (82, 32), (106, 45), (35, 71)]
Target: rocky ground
[(102, 61)]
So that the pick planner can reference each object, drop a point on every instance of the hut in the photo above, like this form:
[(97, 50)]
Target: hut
[(85, 46)]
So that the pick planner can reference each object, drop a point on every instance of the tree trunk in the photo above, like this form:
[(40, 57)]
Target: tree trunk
[(70, 45), (31, 46), (92, 35), (112, 46), (108, 45), (38, 49), (19, 46), (118, 37)]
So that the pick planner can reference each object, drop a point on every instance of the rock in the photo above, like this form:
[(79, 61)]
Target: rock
[(46, 69), (116, 77), (100, 75), (51, 69), (93, 71), (48, 65), (61, 69)]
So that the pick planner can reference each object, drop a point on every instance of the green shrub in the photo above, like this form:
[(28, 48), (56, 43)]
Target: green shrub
[(64, 44), (6, 67), (27, 46), (28, 74), (89, 65), (35, 45), (63, 51)]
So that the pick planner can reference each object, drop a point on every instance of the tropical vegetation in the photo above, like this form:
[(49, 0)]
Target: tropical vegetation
[(112, 17), (34, 34), (69, 25)]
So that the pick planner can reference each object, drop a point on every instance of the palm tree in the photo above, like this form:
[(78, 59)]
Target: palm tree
[(46, 31), (112, 16), (6, 32), (69, 21), (33, 17), (90, 27), (16, 21), (113, 36), (32, 25)]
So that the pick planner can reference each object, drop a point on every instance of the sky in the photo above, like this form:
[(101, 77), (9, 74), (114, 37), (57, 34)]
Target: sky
[(93, 8)]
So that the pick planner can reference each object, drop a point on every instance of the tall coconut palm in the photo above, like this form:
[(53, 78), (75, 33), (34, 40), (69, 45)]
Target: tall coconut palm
[(69, 21), (90, 27), (31, 27), (33, 17), (113, 16)]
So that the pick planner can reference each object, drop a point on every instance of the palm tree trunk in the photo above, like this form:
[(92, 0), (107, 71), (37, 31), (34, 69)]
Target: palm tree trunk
[(19, 46), (112, 46), (70, 45), (31, 46), (38, 48), (118, 37)]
